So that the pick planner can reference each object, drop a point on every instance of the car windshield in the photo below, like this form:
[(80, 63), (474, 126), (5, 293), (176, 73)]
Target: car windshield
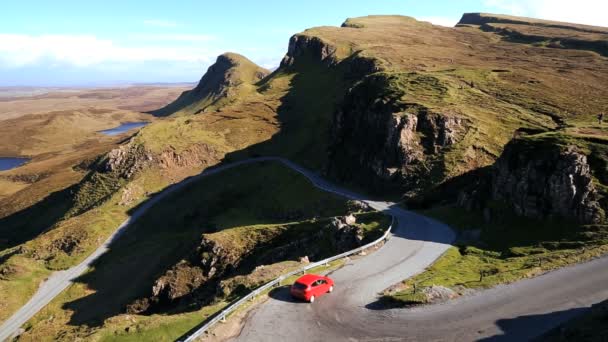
[(299, 286)]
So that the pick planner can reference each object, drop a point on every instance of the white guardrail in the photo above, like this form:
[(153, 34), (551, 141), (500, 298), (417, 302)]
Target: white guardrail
[(221, 316)]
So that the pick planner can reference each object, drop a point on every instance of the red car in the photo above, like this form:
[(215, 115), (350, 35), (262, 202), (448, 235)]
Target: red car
[(311, 286)]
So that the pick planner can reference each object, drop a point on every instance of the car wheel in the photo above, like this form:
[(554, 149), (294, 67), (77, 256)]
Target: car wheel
[(312, 299), (331, 289)]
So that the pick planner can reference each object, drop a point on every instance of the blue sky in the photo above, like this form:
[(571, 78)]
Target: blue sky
[(63, 43)]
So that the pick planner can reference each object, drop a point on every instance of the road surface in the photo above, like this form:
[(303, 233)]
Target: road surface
[(516, 312)]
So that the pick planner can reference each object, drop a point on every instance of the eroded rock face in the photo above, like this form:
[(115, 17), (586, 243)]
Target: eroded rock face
[(314, 46), (195, 155), (379, 140), (345, 235), (131, 158), (179, 281), (209, 262), (553, 182), (127, 160)]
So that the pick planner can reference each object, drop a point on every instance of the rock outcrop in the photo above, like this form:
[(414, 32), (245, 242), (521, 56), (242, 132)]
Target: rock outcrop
[(540, 180), (378, 139), (345, 234), (314, 47), (547, 183), (127, 160)]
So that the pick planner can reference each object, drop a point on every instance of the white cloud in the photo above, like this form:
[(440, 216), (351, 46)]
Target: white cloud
[(442, 21), (160, 23), (590, 12), (86, 50), (174, 37)]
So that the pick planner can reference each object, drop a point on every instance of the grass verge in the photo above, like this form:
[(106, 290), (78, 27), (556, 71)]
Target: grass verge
[(488, 254)]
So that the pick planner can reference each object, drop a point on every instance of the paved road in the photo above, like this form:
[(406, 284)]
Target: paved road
[(516, 312)]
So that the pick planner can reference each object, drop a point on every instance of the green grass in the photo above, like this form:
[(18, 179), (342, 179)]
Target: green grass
[(38, 257), (513, 249), (374, 224), (19, 280), (240, 208), (179, 133), (304, 114)]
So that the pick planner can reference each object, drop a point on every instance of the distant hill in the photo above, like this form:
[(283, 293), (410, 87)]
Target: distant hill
[(231, 76)]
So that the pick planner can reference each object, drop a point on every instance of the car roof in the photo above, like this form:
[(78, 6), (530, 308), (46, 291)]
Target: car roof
[(309, 278)]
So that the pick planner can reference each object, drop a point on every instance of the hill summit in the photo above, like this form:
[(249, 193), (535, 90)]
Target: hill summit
[(231, 76)]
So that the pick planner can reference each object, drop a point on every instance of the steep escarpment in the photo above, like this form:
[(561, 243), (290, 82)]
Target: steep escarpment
[(231, 76), (433, 110), (488, 18), (378, 136)]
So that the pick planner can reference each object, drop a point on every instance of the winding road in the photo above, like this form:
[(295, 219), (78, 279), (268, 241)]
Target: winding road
[(515, 312)]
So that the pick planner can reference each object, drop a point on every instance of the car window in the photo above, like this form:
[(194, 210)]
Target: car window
[(299, 286), (322, 282), (316, 283)]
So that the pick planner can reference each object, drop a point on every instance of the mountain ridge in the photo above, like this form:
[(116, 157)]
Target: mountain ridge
[(224, 80)]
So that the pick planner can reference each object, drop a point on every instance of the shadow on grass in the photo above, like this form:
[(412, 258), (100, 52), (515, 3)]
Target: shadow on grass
[(29, 223)]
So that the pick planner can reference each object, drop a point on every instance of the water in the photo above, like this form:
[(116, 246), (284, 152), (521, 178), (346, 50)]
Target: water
[(11, 163), (123, 128)]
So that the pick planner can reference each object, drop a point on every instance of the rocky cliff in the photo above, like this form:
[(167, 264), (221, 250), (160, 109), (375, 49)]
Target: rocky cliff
[(425, 112), (544, 178), (379, 137), (226, 79)]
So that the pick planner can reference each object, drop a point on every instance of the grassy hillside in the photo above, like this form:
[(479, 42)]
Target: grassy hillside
[(250, 206), (384, 103), (231, 77)]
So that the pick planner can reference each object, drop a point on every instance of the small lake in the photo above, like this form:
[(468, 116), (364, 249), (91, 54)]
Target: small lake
[(123, 128), (11, 163)]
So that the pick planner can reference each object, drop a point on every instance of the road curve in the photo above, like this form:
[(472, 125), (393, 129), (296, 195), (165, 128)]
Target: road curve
[(60, 280), (516, 312)]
